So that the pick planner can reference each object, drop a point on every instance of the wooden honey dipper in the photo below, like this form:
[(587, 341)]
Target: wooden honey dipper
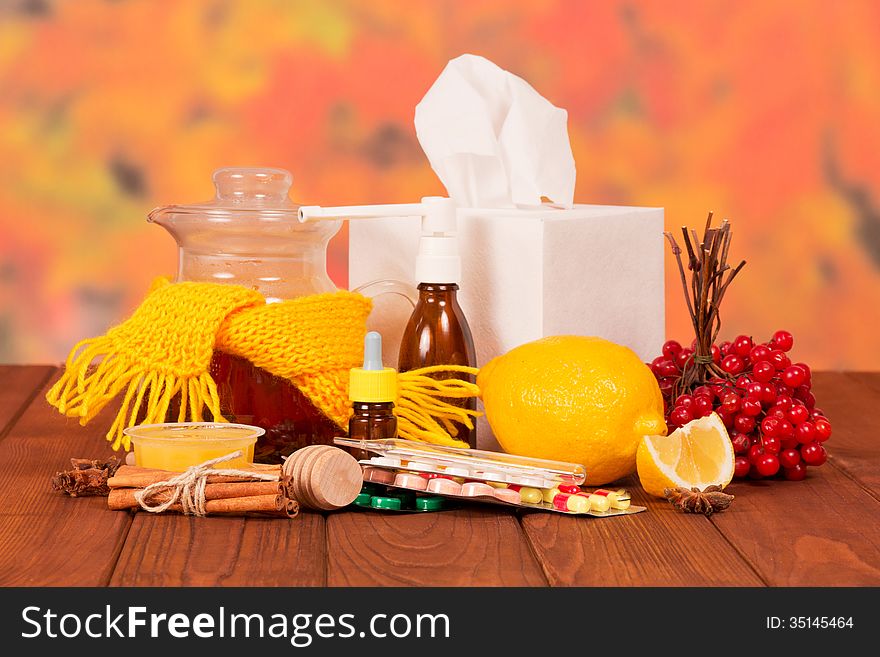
[(322, 477)]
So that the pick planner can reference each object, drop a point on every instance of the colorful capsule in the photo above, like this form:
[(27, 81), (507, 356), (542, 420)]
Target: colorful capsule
[(599, 503), (528, 494), (549, 494), (619, 499), (572, 503)]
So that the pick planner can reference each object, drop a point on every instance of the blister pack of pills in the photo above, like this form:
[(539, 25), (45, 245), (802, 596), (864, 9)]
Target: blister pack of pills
[(488, 477)]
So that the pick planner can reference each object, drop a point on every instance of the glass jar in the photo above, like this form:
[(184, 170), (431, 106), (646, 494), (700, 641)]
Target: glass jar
[(249, 235)]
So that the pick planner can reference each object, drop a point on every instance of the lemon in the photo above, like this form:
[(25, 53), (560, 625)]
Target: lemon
[(699, 454), (571, 398)]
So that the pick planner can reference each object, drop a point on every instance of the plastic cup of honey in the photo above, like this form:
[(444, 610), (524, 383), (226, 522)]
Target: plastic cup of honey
[(176, 446)]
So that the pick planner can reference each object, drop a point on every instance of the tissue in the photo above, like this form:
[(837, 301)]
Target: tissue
[(493, 140)]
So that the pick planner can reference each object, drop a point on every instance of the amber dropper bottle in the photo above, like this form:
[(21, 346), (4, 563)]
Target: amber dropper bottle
[(437, 332), (372, 391)]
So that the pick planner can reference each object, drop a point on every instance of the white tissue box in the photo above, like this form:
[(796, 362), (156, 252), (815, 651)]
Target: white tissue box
[(591, 270)]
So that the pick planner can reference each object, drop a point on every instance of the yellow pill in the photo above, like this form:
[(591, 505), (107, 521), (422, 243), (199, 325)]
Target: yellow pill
[(531, 495), (599, 503), (621, 504), (549, 494), (578, 504)]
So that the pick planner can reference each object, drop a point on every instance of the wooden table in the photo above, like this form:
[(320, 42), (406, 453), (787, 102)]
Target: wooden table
[(824, 531)]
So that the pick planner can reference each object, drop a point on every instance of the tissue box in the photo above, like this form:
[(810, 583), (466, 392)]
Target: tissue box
[(527, 274)]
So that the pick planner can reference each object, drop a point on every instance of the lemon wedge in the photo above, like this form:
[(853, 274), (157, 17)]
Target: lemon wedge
[(699, 454)]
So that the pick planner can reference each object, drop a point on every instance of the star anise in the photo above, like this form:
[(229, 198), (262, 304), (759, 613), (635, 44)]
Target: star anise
[(707, 501), (87, 477)]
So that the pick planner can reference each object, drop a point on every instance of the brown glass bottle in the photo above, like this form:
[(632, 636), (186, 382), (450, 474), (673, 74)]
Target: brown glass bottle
[(371, 421), (438, 334)]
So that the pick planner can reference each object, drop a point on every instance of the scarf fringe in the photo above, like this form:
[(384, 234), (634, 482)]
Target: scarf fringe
[(422, 413), (84, 390)]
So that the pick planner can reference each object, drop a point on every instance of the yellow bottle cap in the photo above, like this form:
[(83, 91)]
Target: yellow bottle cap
[(372, 383)]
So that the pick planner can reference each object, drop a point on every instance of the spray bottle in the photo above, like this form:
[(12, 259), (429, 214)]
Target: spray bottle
[(437, 332)]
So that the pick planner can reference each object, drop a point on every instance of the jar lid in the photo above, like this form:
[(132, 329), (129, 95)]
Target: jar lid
[(243, 190)]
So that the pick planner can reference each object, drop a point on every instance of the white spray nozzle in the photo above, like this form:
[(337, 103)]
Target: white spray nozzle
[(438, 260), (373, 351)]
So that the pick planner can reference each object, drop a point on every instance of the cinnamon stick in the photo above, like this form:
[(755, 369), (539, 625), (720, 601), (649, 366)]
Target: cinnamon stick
[(268, 504), (132, 476), (271, 505), (124, 498)]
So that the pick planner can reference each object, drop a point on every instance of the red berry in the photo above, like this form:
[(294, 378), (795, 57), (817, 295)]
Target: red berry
[(796, 472), (751, 407), (680, 416), (808, 398), (741, 443), (731, 402), (785, 430), (671, 347), (743, 381), (755, 452), (683, 357), (742, 345), (784, 402), (741, 467), (763, 371), (767, 465), (806, 368), (776, 412), (704, 391), (806, 432), (789, 458), (782, 340), (744, 423), (702, 406), (684, 400), (823, 429), (768, 394), (779, 359), (655, 364), (759, 353), (814, 454), (794, 376), (772, 445), (816, 413), (732, 364), (798, 415), (770, 426), (755, 391), (716, 354), (668, 368)]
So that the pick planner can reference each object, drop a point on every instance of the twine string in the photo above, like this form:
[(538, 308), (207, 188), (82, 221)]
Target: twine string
[(188, 488)]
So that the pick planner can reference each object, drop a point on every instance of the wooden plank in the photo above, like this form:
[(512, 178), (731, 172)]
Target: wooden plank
[(19, 384), (851, 401), (174, 550), (823, 531), (46, 538), (659, 547), (477, 546)]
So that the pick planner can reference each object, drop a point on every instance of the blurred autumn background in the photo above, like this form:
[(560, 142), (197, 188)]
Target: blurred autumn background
[(768, 113)]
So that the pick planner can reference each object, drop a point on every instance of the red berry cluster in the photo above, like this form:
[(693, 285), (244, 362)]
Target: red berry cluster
[(766, 404)]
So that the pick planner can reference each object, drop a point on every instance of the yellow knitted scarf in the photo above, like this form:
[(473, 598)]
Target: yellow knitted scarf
[(164, 351)]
